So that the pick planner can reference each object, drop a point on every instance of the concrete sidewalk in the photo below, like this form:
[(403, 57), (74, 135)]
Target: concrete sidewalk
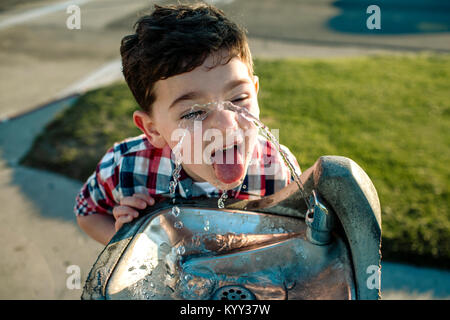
[(41, 57), (39, 234)]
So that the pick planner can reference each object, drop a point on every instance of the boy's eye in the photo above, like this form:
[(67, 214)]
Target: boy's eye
[(193, 115), (240, 99)]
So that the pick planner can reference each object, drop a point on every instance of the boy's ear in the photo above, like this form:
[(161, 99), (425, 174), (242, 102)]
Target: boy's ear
[(144, 122), (256, 82)]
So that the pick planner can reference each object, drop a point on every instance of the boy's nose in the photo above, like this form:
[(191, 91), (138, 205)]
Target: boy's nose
[(224, 120)]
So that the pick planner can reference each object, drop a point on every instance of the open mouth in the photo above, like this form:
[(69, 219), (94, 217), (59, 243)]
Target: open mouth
[(228, 163), (216, 155)]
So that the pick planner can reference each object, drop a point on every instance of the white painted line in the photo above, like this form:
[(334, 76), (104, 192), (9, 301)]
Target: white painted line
[(35, 13), (106, 74)]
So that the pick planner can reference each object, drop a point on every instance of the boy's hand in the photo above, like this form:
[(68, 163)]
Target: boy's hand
[(126, 211)]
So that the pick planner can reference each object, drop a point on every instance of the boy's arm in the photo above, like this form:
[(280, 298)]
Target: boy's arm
[(95, 201), (100, 227), (99, 209)]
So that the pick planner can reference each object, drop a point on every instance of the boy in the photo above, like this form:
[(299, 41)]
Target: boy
[(189, 68)]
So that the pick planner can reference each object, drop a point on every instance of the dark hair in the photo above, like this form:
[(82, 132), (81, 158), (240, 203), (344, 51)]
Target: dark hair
[(175, 39)]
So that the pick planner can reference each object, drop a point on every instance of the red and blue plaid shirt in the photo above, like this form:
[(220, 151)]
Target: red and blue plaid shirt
[(136, 166)]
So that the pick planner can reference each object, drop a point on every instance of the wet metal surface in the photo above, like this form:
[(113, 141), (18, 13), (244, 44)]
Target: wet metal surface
[(263, 246), (267, 255)]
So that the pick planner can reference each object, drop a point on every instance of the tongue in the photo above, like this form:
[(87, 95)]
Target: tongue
[(229, 172)]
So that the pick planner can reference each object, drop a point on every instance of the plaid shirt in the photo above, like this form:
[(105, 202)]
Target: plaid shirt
[(135, 166)]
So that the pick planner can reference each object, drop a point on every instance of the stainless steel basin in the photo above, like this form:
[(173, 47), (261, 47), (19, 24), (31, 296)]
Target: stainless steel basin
[(271, 248)]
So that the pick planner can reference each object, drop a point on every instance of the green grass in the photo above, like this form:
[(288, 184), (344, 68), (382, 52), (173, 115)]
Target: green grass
[(390, 114), (74, 142)]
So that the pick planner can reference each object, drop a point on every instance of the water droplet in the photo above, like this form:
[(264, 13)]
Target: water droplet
[(290, 284), (221, 201), (172, 186), (175, 211), (181, 250), (178, 224), (187, 281)]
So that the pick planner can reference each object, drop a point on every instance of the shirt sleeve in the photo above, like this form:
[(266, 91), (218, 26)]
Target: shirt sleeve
[(98, 194)]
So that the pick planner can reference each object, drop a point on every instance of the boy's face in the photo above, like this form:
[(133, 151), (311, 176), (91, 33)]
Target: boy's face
[(219, 142)]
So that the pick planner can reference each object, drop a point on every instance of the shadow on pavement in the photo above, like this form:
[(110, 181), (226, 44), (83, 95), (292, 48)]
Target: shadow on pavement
[(53, 194), (39, 233)]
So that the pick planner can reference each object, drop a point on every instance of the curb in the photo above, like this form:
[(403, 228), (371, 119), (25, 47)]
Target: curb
[(39, 107)]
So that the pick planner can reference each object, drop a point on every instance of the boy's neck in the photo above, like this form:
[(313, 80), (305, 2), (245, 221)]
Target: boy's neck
[(192, 175)]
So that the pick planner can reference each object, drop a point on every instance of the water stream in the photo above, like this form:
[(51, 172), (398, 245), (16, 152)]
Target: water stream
[(200, 112)]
